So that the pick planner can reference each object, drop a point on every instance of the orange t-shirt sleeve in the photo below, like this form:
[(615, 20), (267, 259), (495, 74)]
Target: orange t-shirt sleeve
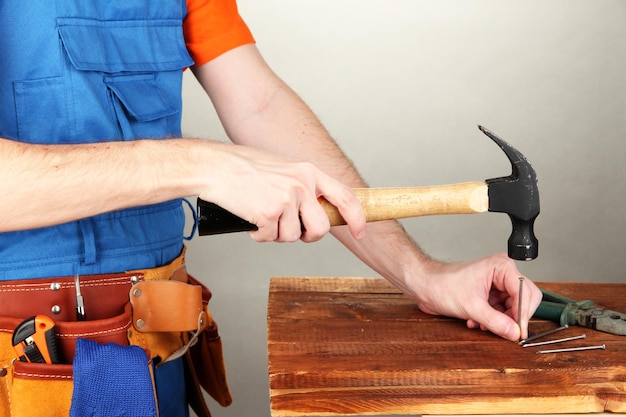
[(213, 27)]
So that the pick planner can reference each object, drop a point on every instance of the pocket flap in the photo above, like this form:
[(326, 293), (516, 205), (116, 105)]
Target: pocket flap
[(127, 45), (133, 90)]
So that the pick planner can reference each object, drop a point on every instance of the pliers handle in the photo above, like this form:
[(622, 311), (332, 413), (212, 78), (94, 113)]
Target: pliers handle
[(560, 309), (563, 310)]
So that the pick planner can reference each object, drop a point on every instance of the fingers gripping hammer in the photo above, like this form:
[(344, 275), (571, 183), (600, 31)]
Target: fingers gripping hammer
[(516, 195)]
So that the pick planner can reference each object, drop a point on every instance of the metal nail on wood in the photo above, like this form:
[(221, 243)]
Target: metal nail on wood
[(576, 349), (544, 334), (549, 342)]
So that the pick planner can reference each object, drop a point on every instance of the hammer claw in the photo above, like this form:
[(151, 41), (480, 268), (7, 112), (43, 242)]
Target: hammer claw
[(518, 196)]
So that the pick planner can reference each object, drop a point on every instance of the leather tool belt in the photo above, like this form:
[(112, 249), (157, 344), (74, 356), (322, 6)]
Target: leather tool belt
[(163, 310)]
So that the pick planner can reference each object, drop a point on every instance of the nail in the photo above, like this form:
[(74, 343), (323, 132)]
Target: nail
[(573, 349), (544, 334), (549, 342), (519, 306)]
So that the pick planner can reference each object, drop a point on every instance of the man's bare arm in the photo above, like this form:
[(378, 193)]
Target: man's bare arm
[(258, 109), (44, 185)]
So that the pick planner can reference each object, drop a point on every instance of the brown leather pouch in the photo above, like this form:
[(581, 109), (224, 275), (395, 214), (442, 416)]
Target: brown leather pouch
[(159, 308), (168, 315), (42, 390), (23, 386), (204, 363), (38, 390)]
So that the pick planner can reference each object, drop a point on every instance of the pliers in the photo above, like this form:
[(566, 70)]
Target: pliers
[(585, 313)]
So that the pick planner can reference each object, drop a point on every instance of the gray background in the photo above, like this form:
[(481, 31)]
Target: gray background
[(401, 85)]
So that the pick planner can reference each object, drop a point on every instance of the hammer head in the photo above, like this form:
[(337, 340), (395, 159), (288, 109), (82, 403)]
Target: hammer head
[(518, 196)]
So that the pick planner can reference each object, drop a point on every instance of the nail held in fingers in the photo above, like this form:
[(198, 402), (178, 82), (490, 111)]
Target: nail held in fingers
[(519, 306)]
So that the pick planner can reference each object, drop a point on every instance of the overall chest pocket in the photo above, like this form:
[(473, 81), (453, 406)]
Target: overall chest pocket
[(141, 63), (122, 80)]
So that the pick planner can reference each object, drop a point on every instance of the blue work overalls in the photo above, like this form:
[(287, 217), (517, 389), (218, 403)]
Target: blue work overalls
[(83, 71)]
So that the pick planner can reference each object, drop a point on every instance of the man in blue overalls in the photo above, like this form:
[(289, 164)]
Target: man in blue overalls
[(94, 166)]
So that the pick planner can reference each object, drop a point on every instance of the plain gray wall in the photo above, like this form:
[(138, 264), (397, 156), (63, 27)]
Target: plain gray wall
[(401, 85)]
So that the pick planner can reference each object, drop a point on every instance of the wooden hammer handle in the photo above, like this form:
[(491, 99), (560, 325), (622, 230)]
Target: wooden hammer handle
[(397, 203), (378, 204)]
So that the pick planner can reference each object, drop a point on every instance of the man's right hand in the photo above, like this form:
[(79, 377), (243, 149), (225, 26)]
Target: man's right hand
[(279, 196)]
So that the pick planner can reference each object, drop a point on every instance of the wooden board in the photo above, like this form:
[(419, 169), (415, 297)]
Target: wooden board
[(357, 346)]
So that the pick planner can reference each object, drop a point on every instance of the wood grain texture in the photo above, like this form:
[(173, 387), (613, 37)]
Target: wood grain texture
[(357, 346)]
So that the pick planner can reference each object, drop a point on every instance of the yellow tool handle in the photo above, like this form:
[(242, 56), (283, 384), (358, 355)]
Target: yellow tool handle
[(397, 203)]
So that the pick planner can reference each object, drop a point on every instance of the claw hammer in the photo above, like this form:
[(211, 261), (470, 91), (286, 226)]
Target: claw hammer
[(516, 195)]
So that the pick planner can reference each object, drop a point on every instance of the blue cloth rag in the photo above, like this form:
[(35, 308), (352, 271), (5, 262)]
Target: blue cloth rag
[(111, 380)]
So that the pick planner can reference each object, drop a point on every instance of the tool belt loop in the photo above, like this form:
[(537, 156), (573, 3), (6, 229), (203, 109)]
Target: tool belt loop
[(165, 306)]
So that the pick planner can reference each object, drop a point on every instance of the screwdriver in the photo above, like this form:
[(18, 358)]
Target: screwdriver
[(80, 302)]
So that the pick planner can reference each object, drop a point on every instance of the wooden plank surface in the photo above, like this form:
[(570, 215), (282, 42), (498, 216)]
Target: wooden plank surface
[(357, 346)]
